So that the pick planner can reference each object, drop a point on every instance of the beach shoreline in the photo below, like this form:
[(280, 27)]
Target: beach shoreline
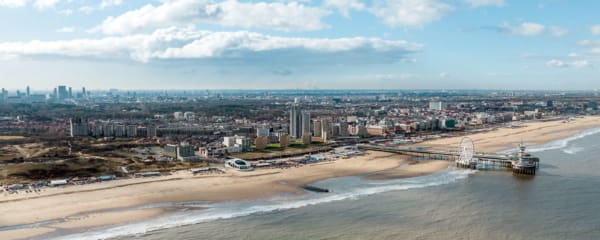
[(235, 186)]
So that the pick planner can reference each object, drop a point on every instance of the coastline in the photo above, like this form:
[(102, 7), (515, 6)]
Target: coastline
[(92, 199), (530, 133), (60, 205)]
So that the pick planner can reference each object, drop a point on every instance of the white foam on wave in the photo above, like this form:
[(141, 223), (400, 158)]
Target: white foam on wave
[(235, 209), (563, 143), (572, 150)]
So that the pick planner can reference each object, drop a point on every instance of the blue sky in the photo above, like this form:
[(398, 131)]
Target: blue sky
[(329, 44)]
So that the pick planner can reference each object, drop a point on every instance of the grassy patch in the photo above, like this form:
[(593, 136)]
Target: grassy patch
[(277, 152)]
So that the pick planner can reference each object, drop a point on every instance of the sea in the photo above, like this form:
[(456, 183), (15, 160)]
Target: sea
[(561, 202)]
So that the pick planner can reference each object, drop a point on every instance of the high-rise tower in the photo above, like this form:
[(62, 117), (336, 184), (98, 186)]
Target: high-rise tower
[(295, 127)]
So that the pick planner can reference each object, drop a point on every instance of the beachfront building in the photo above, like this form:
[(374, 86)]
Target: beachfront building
[(239, 164), (183, 152), (261, 143), (237, 144), (284, 140), (306, 139), (317, 128)]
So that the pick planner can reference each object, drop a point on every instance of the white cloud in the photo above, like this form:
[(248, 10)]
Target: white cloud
[(65, 30), (276, 15), (384, 77), (12, 3), (410, 13), (279, 16), (174, 43), (344, 6), (482, 3), (558, 31), (525, 29), (444, 75), (170, 12), (595, 29), (563, 64), (587, 43), (556, 63), (86, 9), (581, 63), (110, 3), (390, 77), (44, 4), (593, 46), (66, 12)]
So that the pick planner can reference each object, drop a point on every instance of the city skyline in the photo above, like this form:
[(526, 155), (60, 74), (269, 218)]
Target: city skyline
[(329, 44)]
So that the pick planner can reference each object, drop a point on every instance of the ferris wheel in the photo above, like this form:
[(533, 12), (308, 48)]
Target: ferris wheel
[(467, 149)]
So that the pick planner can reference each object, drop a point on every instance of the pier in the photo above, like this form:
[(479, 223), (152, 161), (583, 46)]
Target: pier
[(521, 162)]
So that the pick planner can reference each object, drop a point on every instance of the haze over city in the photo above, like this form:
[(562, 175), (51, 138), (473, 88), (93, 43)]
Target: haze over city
[(330, 44)]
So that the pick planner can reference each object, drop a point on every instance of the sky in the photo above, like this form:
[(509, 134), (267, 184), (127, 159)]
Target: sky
[(303, 44)]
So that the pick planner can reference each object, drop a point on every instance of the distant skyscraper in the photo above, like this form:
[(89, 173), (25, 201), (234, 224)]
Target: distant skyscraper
[(70, 92), (83, 91), (4, 94), (28, 92), (62, 92), (299, 122)]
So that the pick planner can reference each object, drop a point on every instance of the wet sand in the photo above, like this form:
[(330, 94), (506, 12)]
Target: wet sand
[(412, 169)]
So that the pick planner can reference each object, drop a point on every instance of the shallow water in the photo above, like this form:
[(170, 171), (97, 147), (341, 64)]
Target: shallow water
[(561, 202)]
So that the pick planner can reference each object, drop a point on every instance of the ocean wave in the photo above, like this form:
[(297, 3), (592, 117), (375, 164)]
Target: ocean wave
[(563, 143), (235, 209), (572, 150)]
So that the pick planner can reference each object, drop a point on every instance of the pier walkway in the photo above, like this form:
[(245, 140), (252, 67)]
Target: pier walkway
[(485, 160)]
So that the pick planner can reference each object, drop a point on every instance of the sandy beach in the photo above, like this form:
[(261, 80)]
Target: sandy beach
[(86, 206), (78, 206), (531, 133)]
